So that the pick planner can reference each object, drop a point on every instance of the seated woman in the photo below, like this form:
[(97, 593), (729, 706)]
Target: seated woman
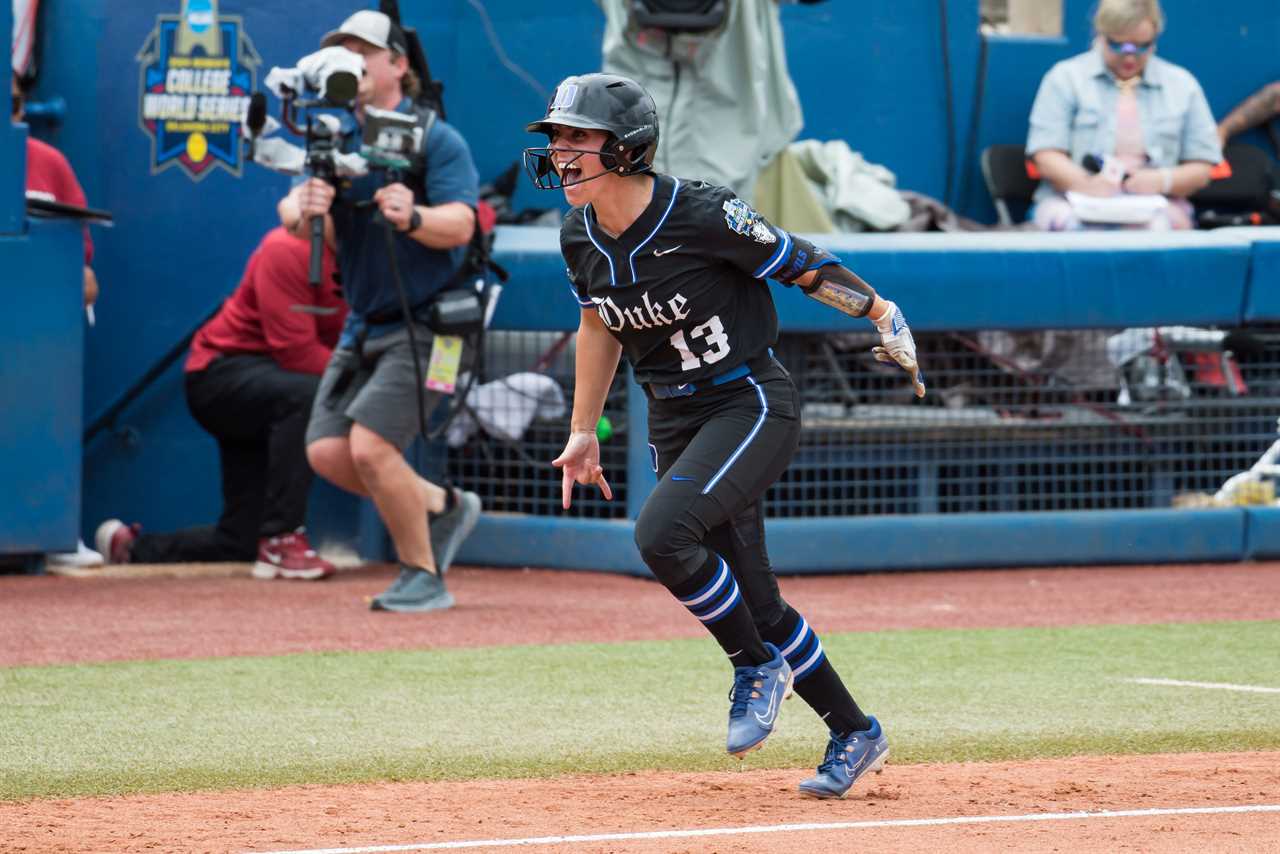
[(1120, 120)]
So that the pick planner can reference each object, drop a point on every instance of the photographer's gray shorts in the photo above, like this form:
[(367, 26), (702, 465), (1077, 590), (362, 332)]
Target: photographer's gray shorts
[(380, 393)]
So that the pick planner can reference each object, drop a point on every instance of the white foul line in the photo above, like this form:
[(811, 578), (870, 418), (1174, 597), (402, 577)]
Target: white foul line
[(782, 828), (1221, 686)]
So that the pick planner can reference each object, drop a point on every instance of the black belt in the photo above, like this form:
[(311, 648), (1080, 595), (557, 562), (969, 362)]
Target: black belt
[(665, 391)]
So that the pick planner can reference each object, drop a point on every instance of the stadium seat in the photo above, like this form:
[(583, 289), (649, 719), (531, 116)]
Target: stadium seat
[(1009, 181)]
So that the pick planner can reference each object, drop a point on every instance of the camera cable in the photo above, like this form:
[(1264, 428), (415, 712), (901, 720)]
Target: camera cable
[(461, 393), (408, 325)]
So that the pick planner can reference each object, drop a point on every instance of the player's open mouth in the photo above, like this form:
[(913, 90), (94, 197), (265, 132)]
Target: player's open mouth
[(569, 172)]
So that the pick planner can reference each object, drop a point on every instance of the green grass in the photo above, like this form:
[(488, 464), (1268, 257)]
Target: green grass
[(532, 711)]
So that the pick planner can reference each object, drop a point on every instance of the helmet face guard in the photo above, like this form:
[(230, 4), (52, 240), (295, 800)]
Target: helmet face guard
[(606, 102), (539, 164)]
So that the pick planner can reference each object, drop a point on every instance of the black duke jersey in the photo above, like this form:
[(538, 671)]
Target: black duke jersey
[(683, 289)]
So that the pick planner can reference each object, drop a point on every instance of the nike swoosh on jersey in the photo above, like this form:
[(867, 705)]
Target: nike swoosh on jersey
[(658, 253)]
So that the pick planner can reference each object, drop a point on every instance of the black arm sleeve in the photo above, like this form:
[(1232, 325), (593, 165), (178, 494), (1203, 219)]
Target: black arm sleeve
[(802, 256), (842, 289), (834, 285)]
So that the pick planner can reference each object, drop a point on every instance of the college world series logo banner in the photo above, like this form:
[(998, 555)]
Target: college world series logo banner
[(196, 72)]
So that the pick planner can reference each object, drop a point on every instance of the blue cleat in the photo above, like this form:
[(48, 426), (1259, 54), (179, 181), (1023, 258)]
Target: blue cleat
[(757, 694), (848, 759)]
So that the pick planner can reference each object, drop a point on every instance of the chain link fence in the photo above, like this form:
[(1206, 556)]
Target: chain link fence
[(1014, 422)]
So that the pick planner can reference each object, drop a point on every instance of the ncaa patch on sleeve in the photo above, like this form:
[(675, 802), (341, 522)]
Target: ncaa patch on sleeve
[(742, 219)]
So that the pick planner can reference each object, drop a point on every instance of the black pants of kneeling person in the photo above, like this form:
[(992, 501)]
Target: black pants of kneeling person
[(258, 412)]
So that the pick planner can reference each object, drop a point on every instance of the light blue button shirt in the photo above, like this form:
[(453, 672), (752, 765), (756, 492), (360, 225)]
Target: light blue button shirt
[(1075, 112)]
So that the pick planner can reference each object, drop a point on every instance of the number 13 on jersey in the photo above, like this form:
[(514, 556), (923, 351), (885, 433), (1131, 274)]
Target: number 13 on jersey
[(712, 332)]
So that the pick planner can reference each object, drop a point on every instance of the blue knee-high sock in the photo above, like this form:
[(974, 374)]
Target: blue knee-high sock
[(711, 594), (816, 680)]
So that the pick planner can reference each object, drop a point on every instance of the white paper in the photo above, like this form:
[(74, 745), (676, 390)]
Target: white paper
[(1121, 209)]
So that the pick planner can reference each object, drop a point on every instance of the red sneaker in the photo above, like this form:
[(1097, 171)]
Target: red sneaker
[(114, 540), (290, 556)]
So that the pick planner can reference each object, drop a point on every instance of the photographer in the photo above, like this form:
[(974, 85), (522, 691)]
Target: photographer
[(365, 412)]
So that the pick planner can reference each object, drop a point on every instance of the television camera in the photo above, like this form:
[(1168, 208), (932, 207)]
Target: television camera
[(326, 82), (321, 83)]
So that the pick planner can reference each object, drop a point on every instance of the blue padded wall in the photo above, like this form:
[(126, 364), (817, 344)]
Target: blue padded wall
[(40, 371), (12, 151), (867, 72)]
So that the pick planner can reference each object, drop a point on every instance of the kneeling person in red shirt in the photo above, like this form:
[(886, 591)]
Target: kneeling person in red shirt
[(251, 376)]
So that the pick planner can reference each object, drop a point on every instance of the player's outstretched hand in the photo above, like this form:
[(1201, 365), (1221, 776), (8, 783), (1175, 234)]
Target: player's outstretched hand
[(897, 347), (580, 463)]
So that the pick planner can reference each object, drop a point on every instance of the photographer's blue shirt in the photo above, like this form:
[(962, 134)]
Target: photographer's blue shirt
[(363, 260)]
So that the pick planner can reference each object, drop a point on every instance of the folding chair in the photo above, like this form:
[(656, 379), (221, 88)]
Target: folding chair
[(1009, 181)]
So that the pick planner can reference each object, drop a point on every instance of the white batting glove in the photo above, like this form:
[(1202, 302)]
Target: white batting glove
[(897, 347)]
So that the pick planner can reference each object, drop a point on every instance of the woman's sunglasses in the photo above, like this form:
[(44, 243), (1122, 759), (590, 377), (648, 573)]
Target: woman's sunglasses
[(1130, 47)]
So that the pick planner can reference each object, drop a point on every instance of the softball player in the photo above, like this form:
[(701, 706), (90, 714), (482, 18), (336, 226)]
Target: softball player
[(672, 272)]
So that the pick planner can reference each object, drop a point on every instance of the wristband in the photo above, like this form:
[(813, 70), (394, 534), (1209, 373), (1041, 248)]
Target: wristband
[(1167, 174), (884, 324), (415, 221)]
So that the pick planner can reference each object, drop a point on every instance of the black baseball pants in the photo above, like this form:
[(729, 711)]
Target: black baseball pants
[(716, 454), (258, 412)]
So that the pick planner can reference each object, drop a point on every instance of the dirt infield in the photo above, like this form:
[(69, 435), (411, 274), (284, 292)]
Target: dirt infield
[(394, 814), (49, 620)]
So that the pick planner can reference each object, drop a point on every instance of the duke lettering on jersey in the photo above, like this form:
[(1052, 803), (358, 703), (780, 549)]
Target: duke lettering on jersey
[(645, 316), (680, 316)]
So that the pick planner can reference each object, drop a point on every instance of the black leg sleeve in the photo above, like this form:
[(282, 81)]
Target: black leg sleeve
[(816, 680)]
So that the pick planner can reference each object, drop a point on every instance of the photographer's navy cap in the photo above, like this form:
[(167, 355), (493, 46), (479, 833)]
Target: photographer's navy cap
[(373, 27)]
